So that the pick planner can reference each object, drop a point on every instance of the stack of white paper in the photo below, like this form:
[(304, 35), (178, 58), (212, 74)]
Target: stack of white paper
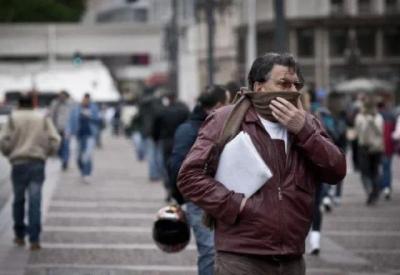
[(241, 168)]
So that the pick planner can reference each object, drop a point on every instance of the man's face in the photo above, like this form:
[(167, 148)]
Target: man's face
[(85, 101), (281, 78), (63, 97)]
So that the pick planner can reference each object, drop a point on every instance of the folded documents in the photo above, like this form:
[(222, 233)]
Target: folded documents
[(241, 168)]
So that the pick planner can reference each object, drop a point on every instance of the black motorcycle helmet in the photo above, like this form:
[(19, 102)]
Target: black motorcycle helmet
[(171, 232)]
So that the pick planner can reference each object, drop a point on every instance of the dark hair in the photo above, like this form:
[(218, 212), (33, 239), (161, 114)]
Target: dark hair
[(212, 96), (263, 65), (25, 101), (86, 95), (65, 93), (232, 88)]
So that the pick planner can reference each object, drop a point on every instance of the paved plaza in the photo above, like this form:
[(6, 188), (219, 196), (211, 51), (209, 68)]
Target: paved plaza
[(104, 228)]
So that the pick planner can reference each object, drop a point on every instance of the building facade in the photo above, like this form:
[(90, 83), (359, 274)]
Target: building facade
[(332, 39)]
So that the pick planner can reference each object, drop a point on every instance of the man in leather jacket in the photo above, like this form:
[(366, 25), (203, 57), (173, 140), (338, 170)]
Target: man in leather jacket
[(265, 233)]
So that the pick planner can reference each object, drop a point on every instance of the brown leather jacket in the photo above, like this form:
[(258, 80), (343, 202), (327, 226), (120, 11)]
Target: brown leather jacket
[(276, 219)]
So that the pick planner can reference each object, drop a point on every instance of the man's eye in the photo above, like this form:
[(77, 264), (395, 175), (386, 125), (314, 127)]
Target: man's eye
[(286, 84), (298, 85)]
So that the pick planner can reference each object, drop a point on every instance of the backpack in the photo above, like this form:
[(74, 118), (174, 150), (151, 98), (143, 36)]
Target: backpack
[(372, 137)]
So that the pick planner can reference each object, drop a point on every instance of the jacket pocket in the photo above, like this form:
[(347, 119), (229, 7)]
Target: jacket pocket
[(249, 213)]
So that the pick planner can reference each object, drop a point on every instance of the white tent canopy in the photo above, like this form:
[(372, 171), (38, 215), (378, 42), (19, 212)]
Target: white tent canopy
[(364, 85), (89, 77)]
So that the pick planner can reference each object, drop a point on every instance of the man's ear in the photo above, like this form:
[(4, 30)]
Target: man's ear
[(258, 87)]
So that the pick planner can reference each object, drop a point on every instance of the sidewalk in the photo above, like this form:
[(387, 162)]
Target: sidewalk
[(104, 228)]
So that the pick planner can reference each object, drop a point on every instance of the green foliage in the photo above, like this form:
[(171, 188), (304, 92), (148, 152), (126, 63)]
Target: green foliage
[(30, 11)]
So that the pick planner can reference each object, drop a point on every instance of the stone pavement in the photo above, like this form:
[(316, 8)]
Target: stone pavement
[(105, 227)]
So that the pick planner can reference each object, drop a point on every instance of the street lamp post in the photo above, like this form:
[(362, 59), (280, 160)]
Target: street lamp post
[(280, 26), (352, 55), (210, 4), (173, 49)]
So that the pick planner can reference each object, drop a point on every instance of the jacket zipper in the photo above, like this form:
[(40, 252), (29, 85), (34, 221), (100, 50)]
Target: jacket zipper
[(205, 168), (279, 193)]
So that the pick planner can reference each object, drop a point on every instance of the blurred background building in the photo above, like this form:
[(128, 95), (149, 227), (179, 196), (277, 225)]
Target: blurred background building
[(333, 39), (136, 40)]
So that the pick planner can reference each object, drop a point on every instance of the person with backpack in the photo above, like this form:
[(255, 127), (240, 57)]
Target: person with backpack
[(28, 139), (369, 128), (185, 136), (263, 233)]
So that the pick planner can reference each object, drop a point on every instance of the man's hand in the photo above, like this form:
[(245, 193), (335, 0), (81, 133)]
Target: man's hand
[(288, 115)]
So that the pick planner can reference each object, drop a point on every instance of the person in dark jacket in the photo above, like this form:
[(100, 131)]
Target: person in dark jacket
[(185, 136), (168, 117), (264, 233)]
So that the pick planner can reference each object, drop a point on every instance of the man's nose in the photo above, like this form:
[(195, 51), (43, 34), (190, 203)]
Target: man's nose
[(293, 88)]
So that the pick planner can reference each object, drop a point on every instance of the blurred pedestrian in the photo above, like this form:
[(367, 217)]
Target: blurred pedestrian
[(389, 122), (167, 118), (102, 124), (60, 110), (369, 127), (326, 195), (264, 233), (185, 137), (84, 124), (136, 134), (148, 107), (27, 140), (352, 111), (116, 120)]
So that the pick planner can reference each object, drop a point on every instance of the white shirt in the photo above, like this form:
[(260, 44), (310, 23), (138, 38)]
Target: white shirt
[(275, 130)]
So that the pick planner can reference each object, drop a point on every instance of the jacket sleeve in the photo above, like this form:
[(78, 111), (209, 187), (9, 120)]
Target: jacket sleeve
[(329, 161), (183, 141), (196, 183), (54, 137), (6, 144)]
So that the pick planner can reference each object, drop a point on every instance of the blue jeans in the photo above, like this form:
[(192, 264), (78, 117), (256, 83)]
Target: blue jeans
[(63, 151), (139, 145), (86, 146), (204, 239), (386, 178), (28, 178), (155, 159)]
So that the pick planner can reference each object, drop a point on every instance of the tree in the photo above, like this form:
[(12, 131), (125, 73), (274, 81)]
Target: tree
[(40, 11)]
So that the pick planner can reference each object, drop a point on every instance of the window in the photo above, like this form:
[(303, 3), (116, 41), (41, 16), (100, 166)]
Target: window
[(391, 38), (337, 42), (140, 59), (305, 42), (364, 7), (337, 7), (392, 6), (366, 41), (140, 15)]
